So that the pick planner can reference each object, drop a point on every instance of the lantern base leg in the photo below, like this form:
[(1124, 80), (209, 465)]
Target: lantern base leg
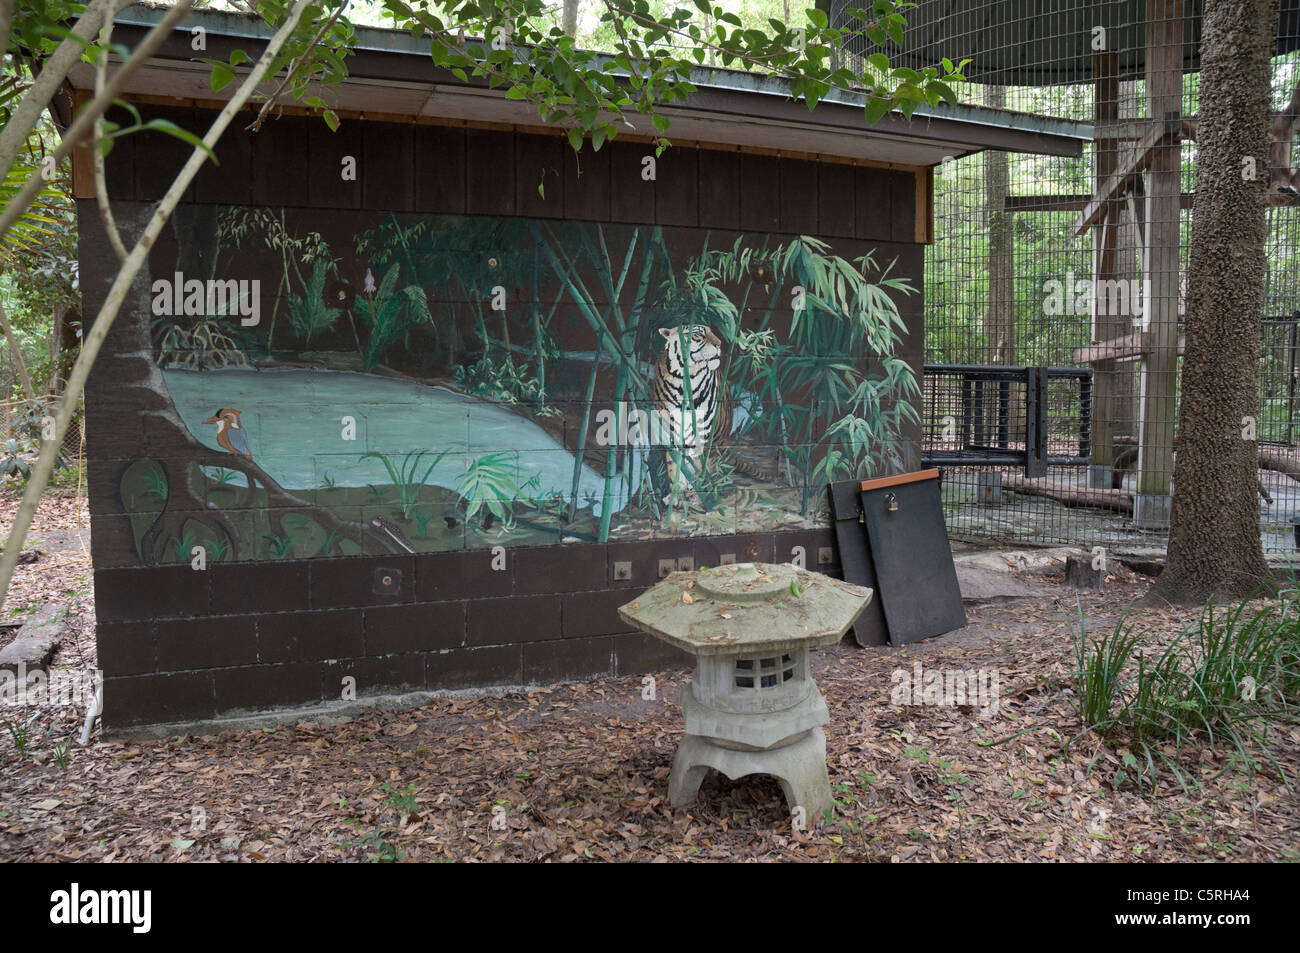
[(800, 767)]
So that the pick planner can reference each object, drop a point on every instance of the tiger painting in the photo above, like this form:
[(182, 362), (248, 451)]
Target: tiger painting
[(687, 424)]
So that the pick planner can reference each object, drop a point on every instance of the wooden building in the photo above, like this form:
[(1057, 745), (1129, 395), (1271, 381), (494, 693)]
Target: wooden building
[(415, 405)]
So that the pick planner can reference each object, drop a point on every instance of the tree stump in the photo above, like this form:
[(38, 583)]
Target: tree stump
[(1079, 573)]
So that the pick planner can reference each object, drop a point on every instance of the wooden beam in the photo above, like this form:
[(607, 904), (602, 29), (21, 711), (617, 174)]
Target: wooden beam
[(1161, 133), (1160, 261), (882, 482), (291, 110), (1131, 347), (1067, 203), (1128, 130), (1104, 260), (924, 194), (83, 154)]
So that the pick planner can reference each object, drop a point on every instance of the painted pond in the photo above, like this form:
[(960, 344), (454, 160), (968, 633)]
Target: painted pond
[(295, 421)]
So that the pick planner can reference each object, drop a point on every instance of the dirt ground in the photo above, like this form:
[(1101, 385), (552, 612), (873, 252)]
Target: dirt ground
[(580, 772)]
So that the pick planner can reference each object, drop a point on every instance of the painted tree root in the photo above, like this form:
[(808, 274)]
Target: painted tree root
[(185, 502)]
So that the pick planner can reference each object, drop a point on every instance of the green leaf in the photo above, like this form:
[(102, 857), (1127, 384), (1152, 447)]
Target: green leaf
[(222, 75), (876, 108), (943, 89), (575, 139), (817, 17)]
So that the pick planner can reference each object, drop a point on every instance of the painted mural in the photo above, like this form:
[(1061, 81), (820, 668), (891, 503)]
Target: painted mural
[(450, 382)]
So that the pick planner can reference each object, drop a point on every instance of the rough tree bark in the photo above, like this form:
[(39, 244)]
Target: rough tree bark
[(1214, 543)]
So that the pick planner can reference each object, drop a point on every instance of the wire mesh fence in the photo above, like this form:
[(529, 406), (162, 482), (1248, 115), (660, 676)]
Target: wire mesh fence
[(22, 421), (1080, 263)]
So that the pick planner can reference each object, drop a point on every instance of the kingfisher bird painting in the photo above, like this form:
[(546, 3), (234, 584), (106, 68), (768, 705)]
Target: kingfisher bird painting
[(230, 432)]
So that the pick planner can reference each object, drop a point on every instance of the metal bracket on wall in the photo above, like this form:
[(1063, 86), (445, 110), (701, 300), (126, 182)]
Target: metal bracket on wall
[(387, 582)]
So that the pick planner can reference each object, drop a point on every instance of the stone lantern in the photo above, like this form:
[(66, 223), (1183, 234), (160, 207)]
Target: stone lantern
[(752, 707)]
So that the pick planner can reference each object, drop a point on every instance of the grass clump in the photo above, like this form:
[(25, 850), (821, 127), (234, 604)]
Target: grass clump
[(1228, 680)]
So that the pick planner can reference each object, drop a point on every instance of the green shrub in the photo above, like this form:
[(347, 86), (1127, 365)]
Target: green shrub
[(1225, 681)]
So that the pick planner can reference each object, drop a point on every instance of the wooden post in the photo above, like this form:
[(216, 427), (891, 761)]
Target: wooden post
[(1104, 235), (1164, 71)]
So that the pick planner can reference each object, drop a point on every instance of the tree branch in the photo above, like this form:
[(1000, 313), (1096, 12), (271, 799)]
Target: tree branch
[(101, 186), (24, 119), (256, 124), (28, 391), (94, 109), (94, 340)]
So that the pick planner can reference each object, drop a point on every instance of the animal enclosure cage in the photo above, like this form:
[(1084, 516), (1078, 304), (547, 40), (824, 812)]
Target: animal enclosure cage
[(1077, 266)]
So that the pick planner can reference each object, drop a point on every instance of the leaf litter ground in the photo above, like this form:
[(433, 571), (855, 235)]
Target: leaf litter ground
[(580, 771)]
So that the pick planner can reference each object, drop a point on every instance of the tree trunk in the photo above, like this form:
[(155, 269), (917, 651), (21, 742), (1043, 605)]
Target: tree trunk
[(1214, 542), (1067, 494), (1079, 574), (570, 25), (65, 338), (20, 368)]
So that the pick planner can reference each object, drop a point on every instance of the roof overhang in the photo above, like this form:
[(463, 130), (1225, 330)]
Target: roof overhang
[(391, 75)]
